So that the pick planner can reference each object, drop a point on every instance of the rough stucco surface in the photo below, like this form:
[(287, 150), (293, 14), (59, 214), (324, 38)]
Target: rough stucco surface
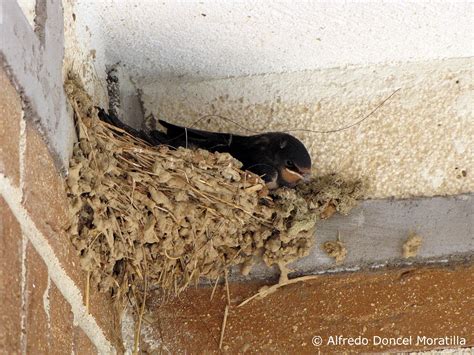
[(419, 143)]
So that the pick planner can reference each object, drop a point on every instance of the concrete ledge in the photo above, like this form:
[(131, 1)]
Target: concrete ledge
[(375, 231)]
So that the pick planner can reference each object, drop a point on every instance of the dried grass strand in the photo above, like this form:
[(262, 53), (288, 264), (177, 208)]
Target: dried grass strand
[(224, 322)]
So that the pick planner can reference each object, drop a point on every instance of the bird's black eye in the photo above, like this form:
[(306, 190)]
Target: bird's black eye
[(290, 164)]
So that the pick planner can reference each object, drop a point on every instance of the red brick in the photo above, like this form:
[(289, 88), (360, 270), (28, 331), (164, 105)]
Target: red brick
[(10, 281), (10, 115), (101, 308), (82, 343), (46, 202), (37, 320), (44, 195), (427, 301), (62, 337)]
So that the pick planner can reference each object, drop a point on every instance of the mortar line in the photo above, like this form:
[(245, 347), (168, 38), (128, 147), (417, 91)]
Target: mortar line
[(67, 287), (47, 307), (22, 151)]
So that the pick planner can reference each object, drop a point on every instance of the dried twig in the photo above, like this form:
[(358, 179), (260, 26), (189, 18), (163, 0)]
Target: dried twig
[(227, 286), (88, 287), (224, 322), (265, 290), (214, 288), (140, 315)]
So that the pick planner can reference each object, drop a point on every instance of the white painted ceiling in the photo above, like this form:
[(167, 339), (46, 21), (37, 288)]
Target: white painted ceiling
[(211, 39)]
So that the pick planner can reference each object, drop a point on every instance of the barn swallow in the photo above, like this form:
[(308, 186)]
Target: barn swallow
[(279, 158)]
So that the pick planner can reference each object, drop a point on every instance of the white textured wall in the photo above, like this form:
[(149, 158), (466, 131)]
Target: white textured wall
[(209, 39)]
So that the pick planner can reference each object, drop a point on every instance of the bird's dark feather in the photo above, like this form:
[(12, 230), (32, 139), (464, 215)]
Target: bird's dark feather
[(189, 137)]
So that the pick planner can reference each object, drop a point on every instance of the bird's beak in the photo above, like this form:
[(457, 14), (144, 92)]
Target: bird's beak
[(294, 177), (306, 174)]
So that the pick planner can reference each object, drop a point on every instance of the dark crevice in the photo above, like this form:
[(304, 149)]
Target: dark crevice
[(41, 16)]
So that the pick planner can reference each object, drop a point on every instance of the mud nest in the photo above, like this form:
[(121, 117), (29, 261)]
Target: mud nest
[(168, 217)]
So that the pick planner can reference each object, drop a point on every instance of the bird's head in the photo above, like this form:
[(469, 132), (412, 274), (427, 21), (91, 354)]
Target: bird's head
[(292, 160)]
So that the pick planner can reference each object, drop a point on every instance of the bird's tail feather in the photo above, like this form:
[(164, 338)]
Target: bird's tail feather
[(152, 139)]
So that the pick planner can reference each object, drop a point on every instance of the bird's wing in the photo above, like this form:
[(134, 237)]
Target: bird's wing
[(182, 136)]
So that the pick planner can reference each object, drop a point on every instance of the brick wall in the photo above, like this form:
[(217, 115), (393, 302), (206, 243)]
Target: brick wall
[(41, 283)]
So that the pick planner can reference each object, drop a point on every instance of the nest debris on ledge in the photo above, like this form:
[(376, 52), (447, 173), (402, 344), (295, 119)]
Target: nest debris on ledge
[(167, 217)]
